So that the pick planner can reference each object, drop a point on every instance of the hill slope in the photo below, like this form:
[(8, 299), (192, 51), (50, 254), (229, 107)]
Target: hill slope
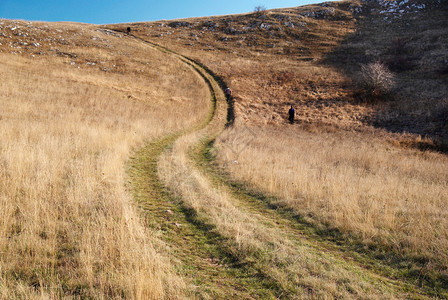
[(75, 102), (310, 56), (330, 206), (351, 163)]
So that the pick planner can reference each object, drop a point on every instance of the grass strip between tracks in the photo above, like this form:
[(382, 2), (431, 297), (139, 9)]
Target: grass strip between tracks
[(199, 251), (321, 237)]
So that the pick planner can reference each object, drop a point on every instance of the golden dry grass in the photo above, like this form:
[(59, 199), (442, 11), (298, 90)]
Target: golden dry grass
[(310, 57), (268, 61), (68, 225), (76, 100), (347, 172), (299, 269), (387, 196)]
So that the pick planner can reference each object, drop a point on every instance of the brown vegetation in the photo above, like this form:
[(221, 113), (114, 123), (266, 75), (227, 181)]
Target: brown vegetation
[(321, 49), (295, 266), (356, 169), (387, 197), (77, 100), (71, 116)]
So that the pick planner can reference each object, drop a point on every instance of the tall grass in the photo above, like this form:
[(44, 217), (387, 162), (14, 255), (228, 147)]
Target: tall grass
[(68, 226), (298, 268), (392, 197)]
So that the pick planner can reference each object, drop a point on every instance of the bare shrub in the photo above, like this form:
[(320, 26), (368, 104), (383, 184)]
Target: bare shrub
[(260, 10), (375, 81)]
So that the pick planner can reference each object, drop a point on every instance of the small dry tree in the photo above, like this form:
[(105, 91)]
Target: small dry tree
[(260, 10), (376, 80)]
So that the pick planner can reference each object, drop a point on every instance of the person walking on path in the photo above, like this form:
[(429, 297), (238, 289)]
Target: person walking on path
[(291, 114), (228, 93)]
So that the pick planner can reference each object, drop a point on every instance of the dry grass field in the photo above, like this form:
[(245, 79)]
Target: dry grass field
[(356, 188), (287, 263), (365, 168), (75, 104), (391, 199), (311, 56)]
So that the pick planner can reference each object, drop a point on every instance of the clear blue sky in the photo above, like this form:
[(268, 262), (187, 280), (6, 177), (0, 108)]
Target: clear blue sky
[(115, 11)]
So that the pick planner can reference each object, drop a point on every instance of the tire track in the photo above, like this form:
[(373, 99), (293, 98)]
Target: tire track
[(201, 254), (226, 243)]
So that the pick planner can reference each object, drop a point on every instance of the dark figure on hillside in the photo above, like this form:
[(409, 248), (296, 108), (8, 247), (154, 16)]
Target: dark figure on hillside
[(291, 114), (228, 93), (128, 30)]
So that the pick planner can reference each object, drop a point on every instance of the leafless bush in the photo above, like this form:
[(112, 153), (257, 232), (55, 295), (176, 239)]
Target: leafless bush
[(375, 81), (260, 10)]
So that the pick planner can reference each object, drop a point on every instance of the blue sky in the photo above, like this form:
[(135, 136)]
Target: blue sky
[(115, 11)]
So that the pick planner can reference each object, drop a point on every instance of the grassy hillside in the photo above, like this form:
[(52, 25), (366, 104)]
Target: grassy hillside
[(76, 101), (356, 163), (112, 185), (310, 56)]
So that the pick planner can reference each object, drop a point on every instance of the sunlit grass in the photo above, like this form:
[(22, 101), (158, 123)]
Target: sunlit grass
[(68, 225)]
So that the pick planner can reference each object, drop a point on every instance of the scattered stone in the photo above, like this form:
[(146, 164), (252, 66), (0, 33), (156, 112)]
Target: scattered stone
[(179, 24), (110, 32), (265, 26), (281, 17), (319, 14), (398, 8)]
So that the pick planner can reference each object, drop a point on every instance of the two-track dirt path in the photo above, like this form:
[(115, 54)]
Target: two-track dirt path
[(213, 272), (229, 244)]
